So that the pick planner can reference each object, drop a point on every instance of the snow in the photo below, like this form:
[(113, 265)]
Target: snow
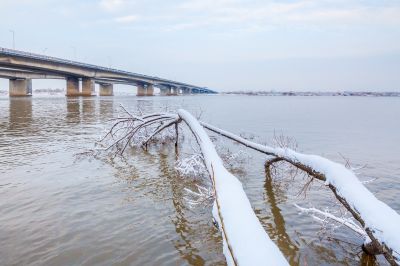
[(245, 241), (345, 221), (383, 221), (191, 166)]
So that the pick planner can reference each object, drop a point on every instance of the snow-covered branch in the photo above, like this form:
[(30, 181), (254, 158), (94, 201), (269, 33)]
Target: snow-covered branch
[(341, 220), (380, 222), (137, 130), (190, 166), (245, 241)]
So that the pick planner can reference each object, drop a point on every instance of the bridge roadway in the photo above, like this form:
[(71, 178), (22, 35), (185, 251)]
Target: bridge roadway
[(21, 67)]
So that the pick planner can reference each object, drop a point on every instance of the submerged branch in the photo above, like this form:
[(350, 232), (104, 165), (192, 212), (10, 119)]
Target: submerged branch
[(161, 128)]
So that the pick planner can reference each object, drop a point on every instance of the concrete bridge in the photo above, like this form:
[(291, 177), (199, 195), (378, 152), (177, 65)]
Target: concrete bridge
[(21, 67)]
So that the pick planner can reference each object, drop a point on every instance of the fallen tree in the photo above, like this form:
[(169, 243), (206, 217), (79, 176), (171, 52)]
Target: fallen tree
[(378, 220), (245, 241)]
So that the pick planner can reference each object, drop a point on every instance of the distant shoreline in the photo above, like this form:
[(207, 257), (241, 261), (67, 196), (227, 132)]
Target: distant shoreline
[(263, 93), (312, 93)]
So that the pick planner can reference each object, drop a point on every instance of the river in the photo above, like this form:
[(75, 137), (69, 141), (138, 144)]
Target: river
[(59, 207)]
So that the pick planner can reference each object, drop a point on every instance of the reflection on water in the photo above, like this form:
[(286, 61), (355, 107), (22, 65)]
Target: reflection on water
[(279, 232), (73, 111), (182, 227), (106, 107), (20, 114), (17, 127), (58, 208)]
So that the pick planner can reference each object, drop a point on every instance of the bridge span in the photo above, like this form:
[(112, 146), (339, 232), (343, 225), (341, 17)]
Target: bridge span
[(21, 67)]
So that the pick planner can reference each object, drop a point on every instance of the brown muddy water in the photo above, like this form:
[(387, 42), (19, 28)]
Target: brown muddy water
[(58, 207)]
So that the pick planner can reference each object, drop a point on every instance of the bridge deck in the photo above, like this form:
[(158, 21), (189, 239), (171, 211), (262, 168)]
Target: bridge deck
[(123, 76)]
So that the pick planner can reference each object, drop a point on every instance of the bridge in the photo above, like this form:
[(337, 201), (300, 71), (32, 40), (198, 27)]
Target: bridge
[(21, 67)]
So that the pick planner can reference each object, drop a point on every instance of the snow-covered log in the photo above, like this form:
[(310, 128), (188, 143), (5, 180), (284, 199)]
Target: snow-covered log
[(245, 241), (244, 238), (380, 222)]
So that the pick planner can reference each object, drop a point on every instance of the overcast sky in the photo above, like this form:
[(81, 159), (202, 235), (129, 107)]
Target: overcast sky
[(222, 44)]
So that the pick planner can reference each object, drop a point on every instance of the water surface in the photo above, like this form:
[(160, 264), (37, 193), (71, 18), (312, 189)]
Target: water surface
[(58, 207)]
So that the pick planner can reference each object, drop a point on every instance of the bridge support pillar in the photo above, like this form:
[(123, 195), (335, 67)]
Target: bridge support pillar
[(106, 89), (88, 87), (164, 91), (174, 91), (169, 91), (72, 87), (20, 87), (150, 90), (141, 90), (185, 90)]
